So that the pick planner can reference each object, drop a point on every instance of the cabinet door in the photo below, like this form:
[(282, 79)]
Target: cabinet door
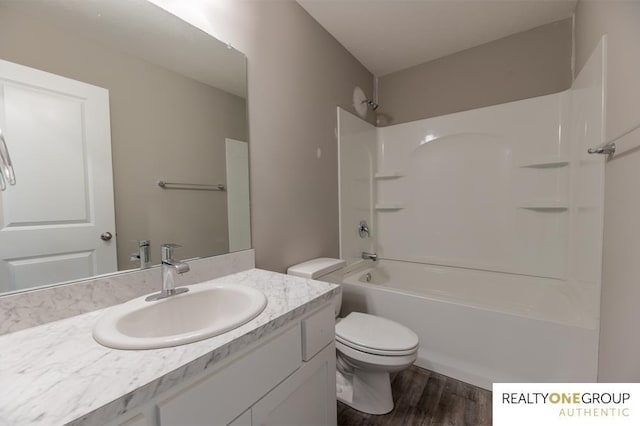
[(307, 397), (219, 398), (318, 330)]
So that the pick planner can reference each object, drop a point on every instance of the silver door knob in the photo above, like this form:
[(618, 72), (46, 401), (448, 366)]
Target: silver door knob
[(106, 236)]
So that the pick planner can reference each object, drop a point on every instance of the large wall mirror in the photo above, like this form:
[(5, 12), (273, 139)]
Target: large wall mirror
[(99, 102)]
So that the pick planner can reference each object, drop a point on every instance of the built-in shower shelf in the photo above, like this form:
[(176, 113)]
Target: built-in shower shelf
[(389, 207), (545, 205), (546, 164), (389, 175)]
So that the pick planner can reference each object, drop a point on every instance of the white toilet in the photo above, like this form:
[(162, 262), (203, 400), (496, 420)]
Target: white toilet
[(369, 348)]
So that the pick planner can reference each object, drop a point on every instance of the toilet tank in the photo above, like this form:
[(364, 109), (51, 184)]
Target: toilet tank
[(316, 269)]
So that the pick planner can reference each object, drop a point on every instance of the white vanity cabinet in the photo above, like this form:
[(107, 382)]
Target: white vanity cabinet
[(307, 397), (286, 378)]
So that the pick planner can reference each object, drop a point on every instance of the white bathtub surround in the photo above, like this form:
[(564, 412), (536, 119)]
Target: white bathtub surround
[(357, 162), (60, 359), (498, 188), (480, 327), (40, 306), (508, 203), (531, 297)]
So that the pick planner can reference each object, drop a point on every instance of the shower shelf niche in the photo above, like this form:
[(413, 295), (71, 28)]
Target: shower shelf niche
[(389, 175), (545, 205), (389, 207), (546, 164)]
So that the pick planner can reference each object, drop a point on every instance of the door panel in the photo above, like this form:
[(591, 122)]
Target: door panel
[(53, 183), (58, 133), (27, 272)]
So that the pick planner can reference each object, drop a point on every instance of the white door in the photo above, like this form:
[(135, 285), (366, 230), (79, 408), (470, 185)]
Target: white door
[(58, 134), (238, 211)]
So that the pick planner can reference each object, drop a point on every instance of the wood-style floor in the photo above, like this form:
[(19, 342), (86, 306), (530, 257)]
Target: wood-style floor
[(422, 398)]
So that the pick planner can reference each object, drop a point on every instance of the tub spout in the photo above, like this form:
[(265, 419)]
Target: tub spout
[(367, 255)]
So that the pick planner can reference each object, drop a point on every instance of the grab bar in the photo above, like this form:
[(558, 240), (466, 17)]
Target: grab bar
[(7, 173), (192, 186), (609, 147)]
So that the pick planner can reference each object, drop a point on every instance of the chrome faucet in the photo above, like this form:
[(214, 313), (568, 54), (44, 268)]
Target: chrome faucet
[(170, 269), (143, 254), (367, 255)]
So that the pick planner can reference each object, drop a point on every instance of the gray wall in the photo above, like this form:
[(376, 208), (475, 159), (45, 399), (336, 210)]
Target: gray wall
[(620, 305), (531, 63), (298, 74), (152, 110)]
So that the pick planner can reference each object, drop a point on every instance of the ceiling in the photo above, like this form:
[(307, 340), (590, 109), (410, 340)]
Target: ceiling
[(391, 35)]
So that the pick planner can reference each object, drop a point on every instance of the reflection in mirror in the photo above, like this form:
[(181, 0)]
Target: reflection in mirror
[(99, 101)]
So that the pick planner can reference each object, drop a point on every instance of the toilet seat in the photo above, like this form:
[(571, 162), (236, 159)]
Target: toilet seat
[(374, 351), (376, 362), (375, 335), (368, 349)]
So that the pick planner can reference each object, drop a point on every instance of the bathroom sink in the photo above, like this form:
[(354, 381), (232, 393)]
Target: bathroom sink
[(206, 310)]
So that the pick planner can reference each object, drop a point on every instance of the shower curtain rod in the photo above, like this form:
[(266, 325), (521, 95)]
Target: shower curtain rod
[(609, 147)]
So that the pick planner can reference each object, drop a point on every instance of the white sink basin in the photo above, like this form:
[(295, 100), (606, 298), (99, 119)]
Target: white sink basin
[(206, 310)]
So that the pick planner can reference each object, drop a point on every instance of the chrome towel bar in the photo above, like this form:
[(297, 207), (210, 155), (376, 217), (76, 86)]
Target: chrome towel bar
[(191, 186)]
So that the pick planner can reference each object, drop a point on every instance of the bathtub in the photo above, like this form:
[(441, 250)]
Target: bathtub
[(477, 326)]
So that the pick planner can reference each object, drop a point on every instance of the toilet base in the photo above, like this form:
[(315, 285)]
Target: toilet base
[(369, 392)]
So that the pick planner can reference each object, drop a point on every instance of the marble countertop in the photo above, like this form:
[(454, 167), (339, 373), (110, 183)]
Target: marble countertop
[(57, 374)]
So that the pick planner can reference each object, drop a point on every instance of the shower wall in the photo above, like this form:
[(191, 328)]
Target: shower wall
[(484, 189), (357, 163), (586, 129), (507, 188)]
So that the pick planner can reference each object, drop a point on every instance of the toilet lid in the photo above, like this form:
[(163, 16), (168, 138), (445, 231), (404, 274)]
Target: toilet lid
[(375, 334)]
